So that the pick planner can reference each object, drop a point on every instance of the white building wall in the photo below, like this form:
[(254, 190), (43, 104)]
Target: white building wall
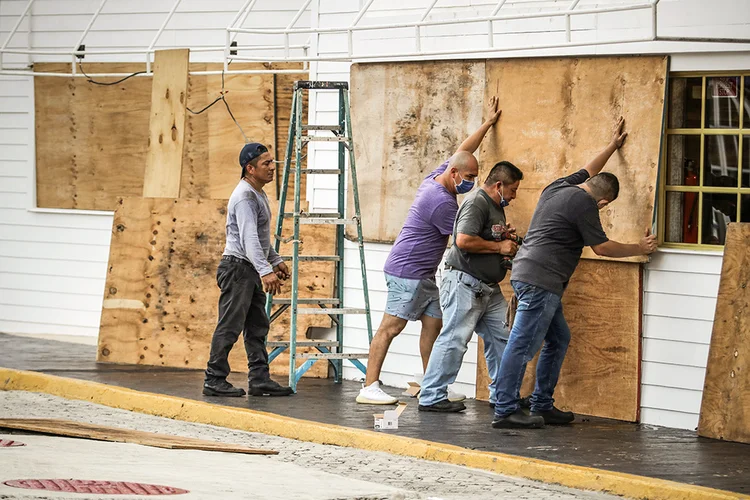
[(53, 263)]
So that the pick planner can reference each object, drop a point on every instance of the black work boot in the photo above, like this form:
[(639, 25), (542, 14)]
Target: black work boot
[(444, 406), (518, 420), (269, 388), (555, 416), (222, 388), (524, 403)]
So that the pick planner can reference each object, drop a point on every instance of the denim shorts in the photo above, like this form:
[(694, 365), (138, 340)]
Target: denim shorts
[(409, 299)]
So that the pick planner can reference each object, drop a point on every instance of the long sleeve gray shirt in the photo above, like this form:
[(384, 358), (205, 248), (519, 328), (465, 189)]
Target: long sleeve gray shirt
[(249, 228)]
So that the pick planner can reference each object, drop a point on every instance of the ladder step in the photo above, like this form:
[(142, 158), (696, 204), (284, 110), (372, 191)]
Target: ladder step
[(287, 300), (319, 171), (325, 220), (325, 215), (332, 128), (320, 85), (324, 138), (331, 310), (332, 355), (304, 343), (334, 258)]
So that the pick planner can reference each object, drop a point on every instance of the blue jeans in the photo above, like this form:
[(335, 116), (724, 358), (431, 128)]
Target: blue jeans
[(539, 319), (468, 305)]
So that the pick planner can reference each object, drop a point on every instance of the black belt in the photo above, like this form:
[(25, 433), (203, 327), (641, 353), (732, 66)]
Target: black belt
[(232, 258)]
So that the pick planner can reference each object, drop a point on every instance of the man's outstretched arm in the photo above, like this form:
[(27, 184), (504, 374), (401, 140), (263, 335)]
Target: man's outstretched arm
[(474, 140), (618, 137), (616, 250)]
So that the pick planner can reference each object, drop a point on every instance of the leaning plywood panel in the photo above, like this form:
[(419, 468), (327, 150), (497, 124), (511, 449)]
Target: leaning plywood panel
[(559, 112), (160, 298), (600, 375), (725, 410), (407, 118), (167, 124)]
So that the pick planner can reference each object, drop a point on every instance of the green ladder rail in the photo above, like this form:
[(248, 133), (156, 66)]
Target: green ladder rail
[(332, 351)]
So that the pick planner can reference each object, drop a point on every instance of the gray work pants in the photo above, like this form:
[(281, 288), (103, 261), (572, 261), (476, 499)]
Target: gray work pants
[(241, 309)]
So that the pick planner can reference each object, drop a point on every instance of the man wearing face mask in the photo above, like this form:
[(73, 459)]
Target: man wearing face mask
[(565, 220), (411, 265), (470, 295)]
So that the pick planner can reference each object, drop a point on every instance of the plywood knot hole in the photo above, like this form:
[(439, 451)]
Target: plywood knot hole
[(112, 290), (145, 320), (155, 231), (174, 132), (120, 227), (105, 352), (142, 356), (153, 242), (145, 348), (736, 353), (166, 94), (732, 374), (150, 257), (161, 138)]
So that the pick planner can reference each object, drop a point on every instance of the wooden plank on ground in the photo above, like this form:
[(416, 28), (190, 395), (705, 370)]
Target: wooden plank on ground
[(82, 430), (601, 372), (552, 126), (725, 409), (407, 119), (167, 124), (160, 298)]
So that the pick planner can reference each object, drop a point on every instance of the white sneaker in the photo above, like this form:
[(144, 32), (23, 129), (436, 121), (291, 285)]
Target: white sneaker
[(374, 395), (455, 397)]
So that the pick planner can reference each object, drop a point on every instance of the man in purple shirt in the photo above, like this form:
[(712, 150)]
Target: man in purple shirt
[(416, 254)]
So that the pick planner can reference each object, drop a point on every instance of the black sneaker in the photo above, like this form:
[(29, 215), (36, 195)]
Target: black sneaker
[(270, 388), (444, 406), (518, 419), (555, 416), (222, 388)]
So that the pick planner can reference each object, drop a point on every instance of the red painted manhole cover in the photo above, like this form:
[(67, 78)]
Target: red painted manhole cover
[(102, 487), (7, 443)]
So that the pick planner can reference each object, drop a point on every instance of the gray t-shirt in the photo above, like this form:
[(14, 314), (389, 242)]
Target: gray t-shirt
[(479, 215), (565, 220), (249, 228)]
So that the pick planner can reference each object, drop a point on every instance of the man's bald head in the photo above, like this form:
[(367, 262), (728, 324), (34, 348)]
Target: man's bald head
[(465, 163)]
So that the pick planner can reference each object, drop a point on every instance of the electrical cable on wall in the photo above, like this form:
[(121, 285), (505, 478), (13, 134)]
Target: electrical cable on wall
[(91, 80)]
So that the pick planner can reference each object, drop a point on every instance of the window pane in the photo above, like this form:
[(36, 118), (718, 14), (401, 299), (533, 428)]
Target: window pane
[(720, 162), (718, 211), (681, 218), (683, 160), (745, 208), (685, 102), (746, 122), (722, 102), (746, 161)]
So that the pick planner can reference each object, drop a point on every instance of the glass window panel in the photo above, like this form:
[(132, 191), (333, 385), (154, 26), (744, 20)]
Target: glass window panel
[(722, 102), (718, 211), (746, 119), (681, 217), (745, 208), (683, 160), (720, 162), (746, 161), (685, 102)]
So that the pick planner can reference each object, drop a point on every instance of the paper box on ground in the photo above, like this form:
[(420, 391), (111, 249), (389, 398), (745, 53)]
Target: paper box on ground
[(389, 418), (413, 389)]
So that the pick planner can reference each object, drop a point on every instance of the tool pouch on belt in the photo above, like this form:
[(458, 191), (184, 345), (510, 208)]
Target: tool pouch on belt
[(510, 312)]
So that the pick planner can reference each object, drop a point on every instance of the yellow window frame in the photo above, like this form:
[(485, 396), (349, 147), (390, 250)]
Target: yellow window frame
[(741, 132)]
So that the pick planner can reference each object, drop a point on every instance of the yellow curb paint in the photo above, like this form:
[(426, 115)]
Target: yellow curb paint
[(573, 476)]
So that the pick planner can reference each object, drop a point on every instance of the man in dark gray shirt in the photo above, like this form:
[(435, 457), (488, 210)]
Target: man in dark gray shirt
[(470, 296), (565, 220), (248, 267)]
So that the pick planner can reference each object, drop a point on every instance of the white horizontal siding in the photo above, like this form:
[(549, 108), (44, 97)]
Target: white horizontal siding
[(680, 292)]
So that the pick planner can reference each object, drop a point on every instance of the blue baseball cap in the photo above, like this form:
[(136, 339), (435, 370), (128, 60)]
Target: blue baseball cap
[(250, 152)]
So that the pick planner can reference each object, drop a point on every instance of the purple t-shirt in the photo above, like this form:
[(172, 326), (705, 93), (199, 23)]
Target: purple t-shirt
[(422, 241)]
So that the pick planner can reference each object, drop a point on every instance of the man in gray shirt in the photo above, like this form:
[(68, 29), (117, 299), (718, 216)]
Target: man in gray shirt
[(565, 220), (470, 296), (248, 267)]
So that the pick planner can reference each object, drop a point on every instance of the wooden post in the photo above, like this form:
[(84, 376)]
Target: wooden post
[(167, 124)]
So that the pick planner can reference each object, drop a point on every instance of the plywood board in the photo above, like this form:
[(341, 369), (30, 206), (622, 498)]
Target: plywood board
[(82, 430), (601, 372), (167, 124), (552, 125), (160, 298), (92, 140), (725, 409), (407, 119)]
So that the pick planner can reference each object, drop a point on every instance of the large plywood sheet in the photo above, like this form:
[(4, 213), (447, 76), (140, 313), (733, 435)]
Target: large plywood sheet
[(601, 372), (407, 118), (725, 410), (559, 112), (92, 140), (160, 298)]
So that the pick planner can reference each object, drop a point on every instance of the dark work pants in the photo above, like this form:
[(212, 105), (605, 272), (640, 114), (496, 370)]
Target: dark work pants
[(242, 308)]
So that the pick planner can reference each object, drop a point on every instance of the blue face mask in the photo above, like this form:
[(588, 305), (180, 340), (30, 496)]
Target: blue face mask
[(464, 186)]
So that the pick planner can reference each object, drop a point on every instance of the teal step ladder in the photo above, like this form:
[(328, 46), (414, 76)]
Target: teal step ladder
[(332, 351)]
